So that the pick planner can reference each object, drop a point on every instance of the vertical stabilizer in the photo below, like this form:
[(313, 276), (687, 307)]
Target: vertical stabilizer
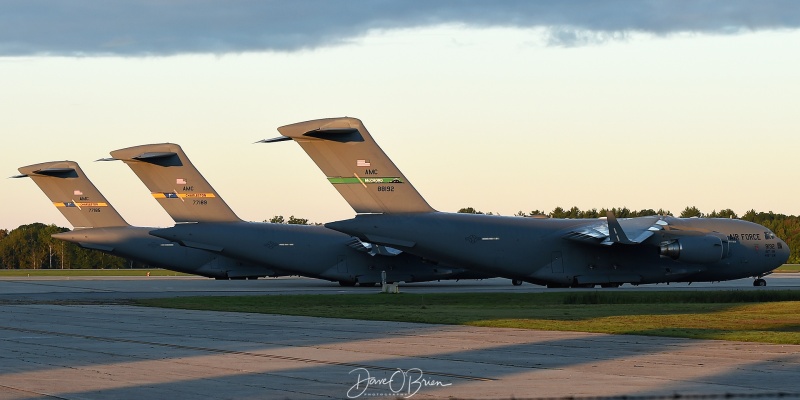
[(175, 183), (356, 166), (73, 194)]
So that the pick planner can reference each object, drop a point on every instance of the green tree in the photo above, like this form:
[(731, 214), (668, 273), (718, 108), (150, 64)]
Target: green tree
[(297, 221), (278, 219), (574, 213), (622, 212), (646, 212), (726, 213), (750, 215), (593, 213), (49, 246), (469, 210), (32, 247), (689, 212)]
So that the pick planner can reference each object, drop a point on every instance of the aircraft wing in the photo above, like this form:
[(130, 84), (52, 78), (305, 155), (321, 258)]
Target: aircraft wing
[(612, 230), (373, 249)]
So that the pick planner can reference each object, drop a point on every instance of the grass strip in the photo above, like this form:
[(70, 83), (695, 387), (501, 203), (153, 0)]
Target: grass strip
[(788, 268), (771, 316)]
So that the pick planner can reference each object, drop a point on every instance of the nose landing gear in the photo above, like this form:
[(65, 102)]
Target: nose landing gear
[(760, 279)]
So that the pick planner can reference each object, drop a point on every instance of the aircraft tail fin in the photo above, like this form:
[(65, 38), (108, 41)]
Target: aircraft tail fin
[(356, 166), (73, 194), (175, 183)]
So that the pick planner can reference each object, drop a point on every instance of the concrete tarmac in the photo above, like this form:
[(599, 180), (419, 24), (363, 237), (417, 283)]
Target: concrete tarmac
[(102, 351), (28, 289)]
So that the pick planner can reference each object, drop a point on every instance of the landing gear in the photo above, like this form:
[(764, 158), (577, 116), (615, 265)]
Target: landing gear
[(759, 282), (516, 282), (347, 283)]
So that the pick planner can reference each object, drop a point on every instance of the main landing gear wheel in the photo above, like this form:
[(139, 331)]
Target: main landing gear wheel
[(347, 283), (516, 282), (759, 282)]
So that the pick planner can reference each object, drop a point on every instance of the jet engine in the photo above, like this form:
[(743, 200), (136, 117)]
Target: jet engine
[(695, 249)]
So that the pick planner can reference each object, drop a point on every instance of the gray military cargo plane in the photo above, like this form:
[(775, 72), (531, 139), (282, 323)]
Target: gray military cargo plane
[(98, 226), (204, 221), (553, 252)]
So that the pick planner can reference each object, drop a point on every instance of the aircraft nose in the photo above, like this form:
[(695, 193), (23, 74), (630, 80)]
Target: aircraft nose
[(783, 252)]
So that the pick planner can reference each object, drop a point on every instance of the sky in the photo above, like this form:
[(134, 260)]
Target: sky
[(503, 106)]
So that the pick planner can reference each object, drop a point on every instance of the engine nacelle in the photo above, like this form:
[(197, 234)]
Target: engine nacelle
[(695, 249)]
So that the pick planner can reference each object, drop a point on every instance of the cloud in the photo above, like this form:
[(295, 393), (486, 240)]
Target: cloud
[(160, 28)]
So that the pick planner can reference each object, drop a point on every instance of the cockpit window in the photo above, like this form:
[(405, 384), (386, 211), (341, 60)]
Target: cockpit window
[(769, 235)]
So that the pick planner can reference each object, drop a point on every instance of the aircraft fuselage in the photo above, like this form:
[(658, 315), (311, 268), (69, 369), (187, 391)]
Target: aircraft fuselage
[(538, 250), (136, 243), (307, 250)]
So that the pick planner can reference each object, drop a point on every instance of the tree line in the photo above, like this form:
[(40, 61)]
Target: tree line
[(32, 247), (622, 212)]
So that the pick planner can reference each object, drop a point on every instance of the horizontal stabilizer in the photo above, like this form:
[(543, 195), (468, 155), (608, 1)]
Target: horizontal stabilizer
[(54, 172), (341, 135), (155, 155), (274, 140)]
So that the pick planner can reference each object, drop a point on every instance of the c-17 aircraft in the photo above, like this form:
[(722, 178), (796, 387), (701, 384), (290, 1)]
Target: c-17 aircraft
[(553, 252), (204, 221), (98, 226)]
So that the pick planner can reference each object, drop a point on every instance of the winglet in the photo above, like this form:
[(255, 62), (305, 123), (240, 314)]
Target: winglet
[(175, 183), (615, 232), (356, 166), (73, 194)]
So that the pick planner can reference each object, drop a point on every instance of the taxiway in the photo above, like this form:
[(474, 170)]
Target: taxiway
[(51, 347)]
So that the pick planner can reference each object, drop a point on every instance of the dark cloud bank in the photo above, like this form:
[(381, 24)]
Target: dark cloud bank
[(156, 27)]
